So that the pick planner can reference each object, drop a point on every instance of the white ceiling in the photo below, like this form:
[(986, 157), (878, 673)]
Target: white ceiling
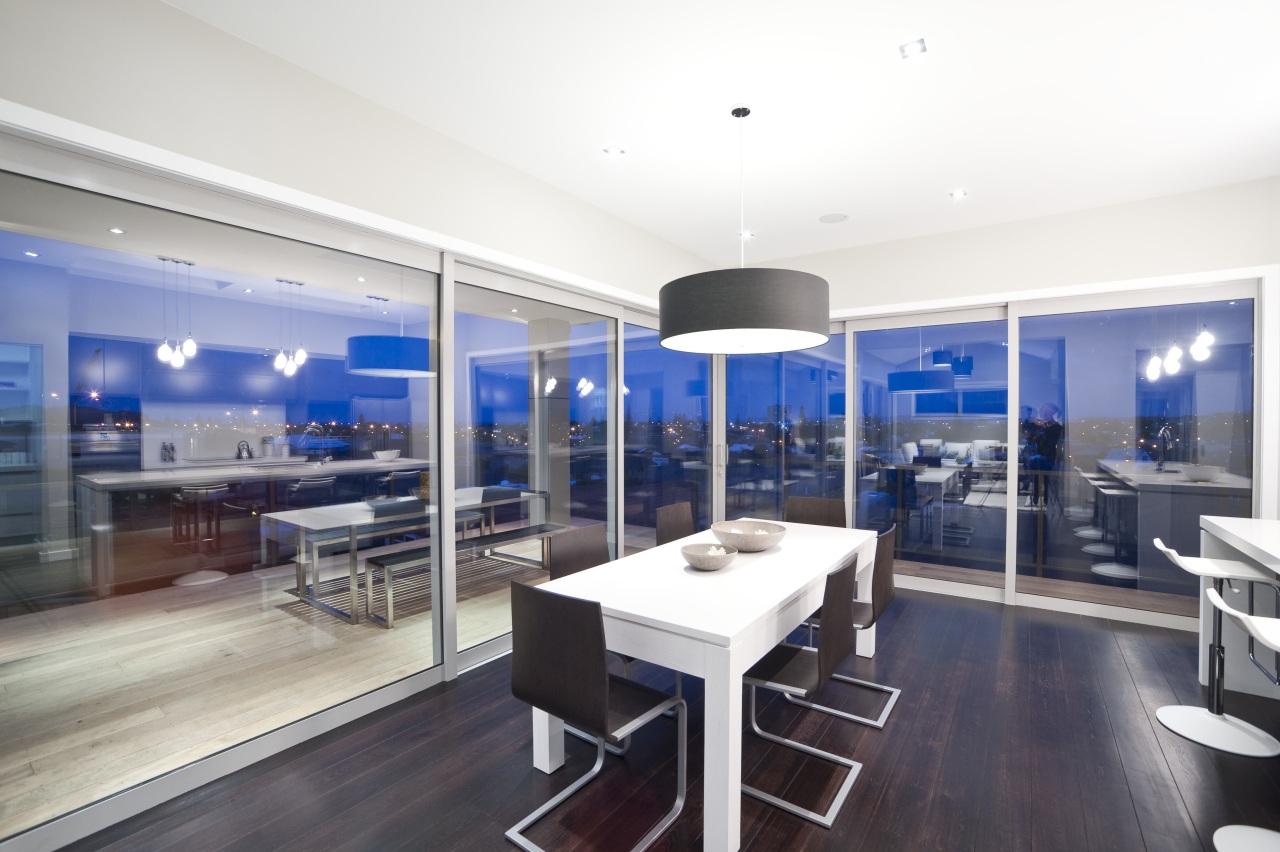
[(1035, 108)]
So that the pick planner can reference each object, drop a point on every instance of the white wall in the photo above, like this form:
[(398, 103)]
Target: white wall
[(145, 71), (1227, 227)]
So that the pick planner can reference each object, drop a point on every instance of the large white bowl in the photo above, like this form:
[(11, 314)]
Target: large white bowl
[(386, 455), (1200, 472), (698, 556), (748, 536)]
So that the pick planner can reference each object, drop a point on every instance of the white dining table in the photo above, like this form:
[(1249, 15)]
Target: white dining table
[(712, 625)]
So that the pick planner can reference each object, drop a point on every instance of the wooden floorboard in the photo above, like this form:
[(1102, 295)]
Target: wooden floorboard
[(1017, 729)]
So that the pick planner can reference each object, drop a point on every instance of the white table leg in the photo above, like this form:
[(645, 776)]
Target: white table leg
[(722, 753), (548, 741), (866, 644)]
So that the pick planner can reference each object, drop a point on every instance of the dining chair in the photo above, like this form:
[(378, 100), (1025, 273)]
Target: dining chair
[(577, 549), (674, 521), (573, 550), (822, 511), (799, 670), (865, 614), (558, 666)]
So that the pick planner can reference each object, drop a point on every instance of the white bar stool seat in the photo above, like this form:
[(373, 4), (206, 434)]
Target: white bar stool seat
[(1211, 726), (1247, 838)]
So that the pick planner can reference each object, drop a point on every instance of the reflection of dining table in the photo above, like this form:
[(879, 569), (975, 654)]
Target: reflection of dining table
[(931, 482), (315, 527), (712, 625)]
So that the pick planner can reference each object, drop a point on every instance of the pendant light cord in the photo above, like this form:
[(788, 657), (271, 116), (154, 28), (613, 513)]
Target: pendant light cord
[(741, 112)]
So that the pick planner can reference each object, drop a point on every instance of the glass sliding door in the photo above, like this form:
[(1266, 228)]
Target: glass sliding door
[(1133, 423), (165, 593), (666, 407), (932, 454), (785, 416), (534, 443)]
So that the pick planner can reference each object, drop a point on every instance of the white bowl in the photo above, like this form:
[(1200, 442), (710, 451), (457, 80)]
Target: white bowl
[(700, 557), (748, 536), (386, 455), (1200, 472)]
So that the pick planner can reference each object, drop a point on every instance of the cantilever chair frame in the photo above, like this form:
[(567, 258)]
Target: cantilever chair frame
[(838, 644), (881, 597), (541, 680)]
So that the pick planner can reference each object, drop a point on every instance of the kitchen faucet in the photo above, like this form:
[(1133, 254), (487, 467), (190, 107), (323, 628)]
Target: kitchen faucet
[(1165, 436)]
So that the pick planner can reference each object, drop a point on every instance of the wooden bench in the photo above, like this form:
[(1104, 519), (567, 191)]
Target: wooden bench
[(416, 559)]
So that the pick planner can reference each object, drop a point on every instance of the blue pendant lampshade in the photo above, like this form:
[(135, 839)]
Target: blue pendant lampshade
[(921, 381), (942, 357), (389, 356)]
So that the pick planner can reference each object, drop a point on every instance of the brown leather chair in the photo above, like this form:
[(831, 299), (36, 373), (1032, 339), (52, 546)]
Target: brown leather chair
[(864, 616), (674, 522), (797, 670), (558, 665), (822, 511)]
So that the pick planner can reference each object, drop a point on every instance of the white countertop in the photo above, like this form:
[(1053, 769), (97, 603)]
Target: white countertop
[(199, 474), (1142, 476), (1257, 538)]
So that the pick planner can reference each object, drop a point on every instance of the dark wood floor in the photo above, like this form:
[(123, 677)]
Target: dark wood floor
[(1017, 729)]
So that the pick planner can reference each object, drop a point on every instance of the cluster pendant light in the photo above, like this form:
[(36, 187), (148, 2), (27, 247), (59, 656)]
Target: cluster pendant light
[(176, 355), (288, 363), (1171, 363), (744, 311)]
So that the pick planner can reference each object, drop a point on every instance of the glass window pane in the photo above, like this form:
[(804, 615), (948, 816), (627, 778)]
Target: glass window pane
[(160, 523), (785, 428), (933, 403), (667, 413), (533, 443), (1115, 427)]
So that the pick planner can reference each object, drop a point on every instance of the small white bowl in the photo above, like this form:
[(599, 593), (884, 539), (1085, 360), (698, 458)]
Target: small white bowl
[(1200, 472), (386, 455), (748, 536), (699, 557)]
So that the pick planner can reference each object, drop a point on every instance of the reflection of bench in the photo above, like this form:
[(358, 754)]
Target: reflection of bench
[(418, 559)]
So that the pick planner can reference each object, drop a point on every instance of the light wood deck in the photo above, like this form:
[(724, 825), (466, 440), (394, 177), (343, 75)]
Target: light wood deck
[(101, 696)]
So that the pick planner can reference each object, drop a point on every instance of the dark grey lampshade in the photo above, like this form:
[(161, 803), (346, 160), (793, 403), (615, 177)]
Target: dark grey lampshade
[(744, 311)]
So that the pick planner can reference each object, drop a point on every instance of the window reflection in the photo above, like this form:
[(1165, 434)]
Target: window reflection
[(667, 416)]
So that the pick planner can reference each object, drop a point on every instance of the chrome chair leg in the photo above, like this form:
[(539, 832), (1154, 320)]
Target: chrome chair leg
[(514, 833), (619, 751), (824, 819), (878, 722)]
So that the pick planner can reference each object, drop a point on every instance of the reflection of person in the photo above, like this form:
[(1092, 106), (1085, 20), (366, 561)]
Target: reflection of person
[(1042, 435)]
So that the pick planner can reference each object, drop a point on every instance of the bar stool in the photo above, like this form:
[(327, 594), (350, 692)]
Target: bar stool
[(1118, 506), (1082, 509), (1211, 726), (1096, 528), (1246, 838)]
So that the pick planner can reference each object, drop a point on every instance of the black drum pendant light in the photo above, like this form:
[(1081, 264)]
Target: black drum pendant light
[(744, 311)]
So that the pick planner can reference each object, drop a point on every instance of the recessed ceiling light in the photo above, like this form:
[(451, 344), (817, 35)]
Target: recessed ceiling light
[(614, 151), (515, 310), (115, 230), (360, 280), (746, 235), (912, 48), (30, 254), (958, 193), (248, 289), (832, 218)]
